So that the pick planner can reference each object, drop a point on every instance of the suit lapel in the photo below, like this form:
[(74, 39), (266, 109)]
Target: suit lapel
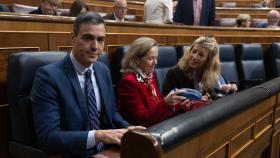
[(72, 76), (192, 9)]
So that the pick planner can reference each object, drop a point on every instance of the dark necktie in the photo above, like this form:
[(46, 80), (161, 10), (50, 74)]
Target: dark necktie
[(92, 107)]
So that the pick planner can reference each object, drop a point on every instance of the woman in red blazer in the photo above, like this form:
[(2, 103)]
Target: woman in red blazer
[(139, 99)]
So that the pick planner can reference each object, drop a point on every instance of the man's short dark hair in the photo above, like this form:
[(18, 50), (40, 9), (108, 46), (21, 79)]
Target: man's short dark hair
[(87, 18)]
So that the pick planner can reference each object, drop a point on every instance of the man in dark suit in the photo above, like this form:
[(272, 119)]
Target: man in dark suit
[(187, 11), (61, 101), (47, 7), (277, 3), (120, 9)]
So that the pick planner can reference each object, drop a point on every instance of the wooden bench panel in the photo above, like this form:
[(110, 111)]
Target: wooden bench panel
[(255, 13), (241, 3), (221, 152), (232, 137)]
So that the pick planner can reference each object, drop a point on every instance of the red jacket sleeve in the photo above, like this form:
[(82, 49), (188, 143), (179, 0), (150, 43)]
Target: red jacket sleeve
[(135, 104)]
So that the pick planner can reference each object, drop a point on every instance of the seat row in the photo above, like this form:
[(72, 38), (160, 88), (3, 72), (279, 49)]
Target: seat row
[(26, 9), (246, 64), (231, 22)]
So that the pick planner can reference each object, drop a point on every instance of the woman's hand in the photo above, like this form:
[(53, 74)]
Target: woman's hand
[(174, 98), (186, 104), (234, 87), (206, 97), (231, 87)]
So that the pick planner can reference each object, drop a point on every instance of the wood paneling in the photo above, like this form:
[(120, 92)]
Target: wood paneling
[(59, 41), (221, 152), (125, 33), (263, 124), (275, 144), (242, 140)]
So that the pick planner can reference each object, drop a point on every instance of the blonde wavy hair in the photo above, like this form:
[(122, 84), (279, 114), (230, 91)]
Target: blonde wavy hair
[(212, 69), (135, 52)]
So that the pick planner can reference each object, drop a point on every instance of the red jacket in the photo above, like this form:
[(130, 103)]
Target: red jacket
[(135, 104)]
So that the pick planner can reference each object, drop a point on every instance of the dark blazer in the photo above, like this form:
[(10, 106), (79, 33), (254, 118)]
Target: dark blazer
[(37, 11), (111, 17), (177, 78), (262, 25), (135, 103), (184, 13), (60, 112), (4, 8), (277, 3)]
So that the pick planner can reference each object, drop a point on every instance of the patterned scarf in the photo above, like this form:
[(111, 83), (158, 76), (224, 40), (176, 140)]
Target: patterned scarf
[(147, 79)]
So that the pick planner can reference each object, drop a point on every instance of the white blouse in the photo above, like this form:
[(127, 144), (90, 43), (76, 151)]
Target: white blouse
[(158, 11)]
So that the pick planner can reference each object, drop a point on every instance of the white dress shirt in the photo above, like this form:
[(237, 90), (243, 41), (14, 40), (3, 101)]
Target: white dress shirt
[(158, 11)]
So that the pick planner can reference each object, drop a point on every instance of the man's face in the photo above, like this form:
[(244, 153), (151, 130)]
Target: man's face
[(88, 44), (120, 9), (246, 23), (47, 8), (273, 19)]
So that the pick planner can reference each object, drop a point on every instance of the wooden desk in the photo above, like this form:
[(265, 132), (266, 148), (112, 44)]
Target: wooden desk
[(255, 13)]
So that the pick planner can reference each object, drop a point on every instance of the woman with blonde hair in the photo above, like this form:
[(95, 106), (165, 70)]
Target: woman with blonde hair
[(243, 20), (139, 99), (198, 69)]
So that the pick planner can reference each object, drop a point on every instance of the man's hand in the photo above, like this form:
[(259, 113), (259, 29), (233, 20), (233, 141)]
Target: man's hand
[(112, 136), (131, 128)]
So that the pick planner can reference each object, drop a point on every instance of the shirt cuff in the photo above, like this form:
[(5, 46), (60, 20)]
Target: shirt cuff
[(91, 139)]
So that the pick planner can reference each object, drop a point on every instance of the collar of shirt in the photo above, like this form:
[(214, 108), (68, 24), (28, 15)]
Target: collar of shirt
[(80, 69), (121, 20)]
